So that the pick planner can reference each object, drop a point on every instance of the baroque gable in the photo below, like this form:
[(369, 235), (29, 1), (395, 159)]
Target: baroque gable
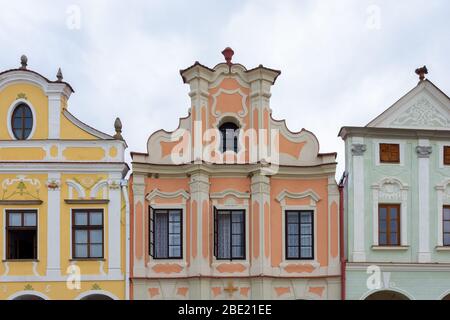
[(425, 107)]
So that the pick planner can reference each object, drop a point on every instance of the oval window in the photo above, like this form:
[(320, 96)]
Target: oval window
[(22, 122)]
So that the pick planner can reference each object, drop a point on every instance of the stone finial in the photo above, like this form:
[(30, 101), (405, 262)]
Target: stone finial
[(228, 54), (118, 128), (23, 62), (421, 72), (59, 75)]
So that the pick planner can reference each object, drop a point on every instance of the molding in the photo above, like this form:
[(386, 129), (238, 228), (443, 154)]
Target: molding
[(424, 151), (376, 152), (229, 192), (392, 248), (358, 149), (167, 195), (86, 201), (292, 195), (21, 202), (242, 113), (27, 293)]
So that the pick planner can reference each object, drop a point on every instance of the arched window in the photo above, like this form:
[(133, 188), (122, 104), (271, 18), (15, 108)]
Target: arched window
[(22, 122), (229, 137)]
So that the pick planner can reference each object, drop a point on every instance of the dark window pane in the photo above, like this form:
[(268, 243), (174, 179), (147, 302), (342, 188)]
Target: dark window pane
[(383, 239), (95, 218), (22, 122), (447, 239), (29, 220), (293, 252), (306, 217), (394, 240), (446, 213), (383, 226), (293, 229), (306, 252), (15, 219), (383, 213), (161, 234), (292, 217), (293, 240), (81, 219), (81, 236), (96, 250)]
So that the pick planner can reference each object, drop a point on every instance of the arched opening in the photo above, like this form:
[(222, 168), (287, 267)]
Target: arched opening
[(28, 297), (446, 298), (387, 295), (97, 297), (229, 132)]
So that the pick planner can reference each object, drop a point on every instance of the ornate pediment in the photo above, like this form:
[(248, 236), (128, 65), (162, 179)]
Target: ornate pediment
[(422, 114)]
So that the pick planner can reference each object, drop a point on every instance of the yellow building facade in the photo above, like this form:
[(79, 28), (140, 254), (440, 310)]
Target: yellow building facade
[(63, 225)]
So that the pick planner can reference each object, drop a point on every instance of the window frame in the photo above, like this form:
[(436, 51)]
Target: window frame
[(88, 228), (445, 207), (22, 227), (222, 133), (390, 161), (444, 161), (243, 243), (151, 249), (23, 121), (388, 206), (286, 235)]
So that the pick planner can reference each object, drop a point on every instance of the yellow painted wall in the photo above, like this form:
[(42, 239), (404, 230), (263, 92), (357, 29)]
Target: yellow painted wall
[(38, 100), (84, 154), (70, 131)]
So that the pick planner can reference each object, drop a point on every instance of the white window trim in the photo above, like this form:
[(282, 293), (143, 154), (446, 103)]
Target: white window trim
[(285, 262), (11, 109), (153, 262), (245, 208), (443, 199), (401, 199), (71, 235), (37, 231), (378, 142)]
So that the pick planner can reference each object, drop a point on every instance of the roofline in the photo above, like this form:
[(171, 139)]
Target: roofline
[(344, 132), (38, 74)]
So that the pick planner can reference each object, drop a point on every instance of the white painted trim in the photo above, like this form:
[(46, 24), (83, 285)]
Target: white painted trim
[(167, 195), (77, 187), (376, 147), (308, 193), (27, 292), (98, 292), (114, 223), (423, 173), (230, 192), (101, 184), (85, 127), (11, 109), (395, 290), (33, 278), (54, 228), (359, 254), (128, 240)]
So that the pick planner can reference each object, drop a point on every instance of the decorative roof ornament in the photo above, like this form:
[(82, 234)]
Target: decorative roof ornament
[(23, 62), (59, 75), (228, 54), (118, 128), (421, 72)]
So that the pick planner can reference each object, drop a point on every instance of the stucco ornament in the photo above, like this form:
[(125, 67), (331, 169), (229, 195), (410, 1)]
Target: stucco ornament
[(390, 190), (358, 149), (422, 113)]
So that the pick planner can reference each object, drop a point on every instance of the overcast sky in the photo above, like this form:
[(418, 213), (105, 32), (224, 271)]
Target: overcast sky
[(343, 62)]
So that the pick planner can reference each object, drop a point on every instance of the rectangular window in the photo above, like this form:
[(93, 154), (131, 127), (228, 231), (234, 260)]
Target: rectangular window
[(446, 225), (447, 155), (389, 225), (389, 153), (299, 235), (87, 234), (166, 234), (229, 234), (21, 234)]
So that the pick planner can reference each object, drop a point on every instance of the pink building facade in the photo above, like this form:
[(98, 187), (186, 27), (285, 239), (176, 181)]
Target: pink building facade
[(233, 205)]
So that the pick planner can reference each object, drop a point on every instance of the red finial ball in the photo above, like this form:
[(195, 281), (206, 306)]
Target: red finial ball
[(228, 54)]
